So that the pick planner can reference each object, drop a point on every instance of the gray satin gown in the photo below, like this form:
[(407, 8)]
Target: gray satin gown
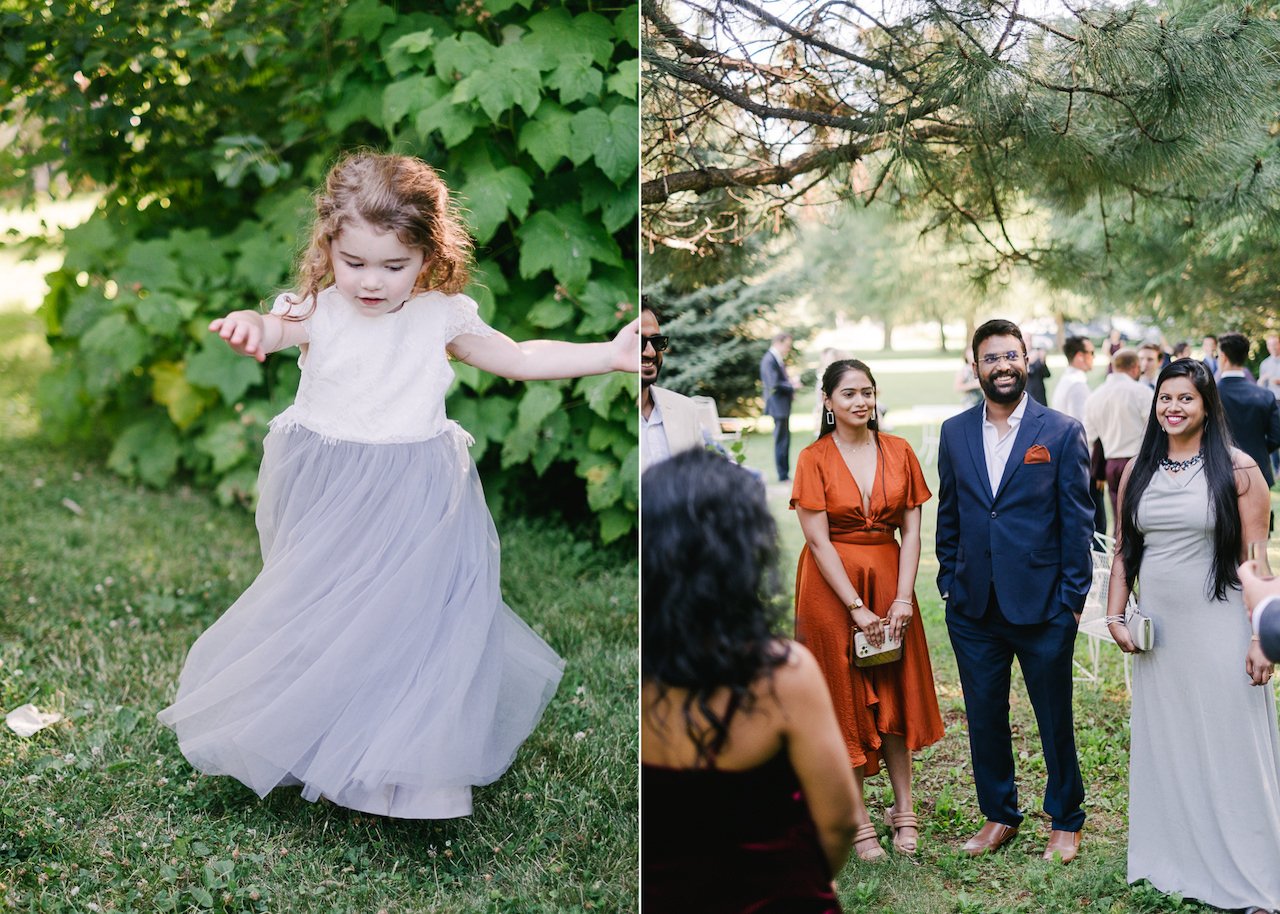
[(1204, 764)]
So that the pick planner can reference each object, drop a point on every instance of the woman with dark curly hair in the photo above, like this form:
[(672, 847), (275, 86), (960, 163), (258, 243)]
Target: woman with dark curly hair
[(856, 490), (1204, 753), (746, 798)]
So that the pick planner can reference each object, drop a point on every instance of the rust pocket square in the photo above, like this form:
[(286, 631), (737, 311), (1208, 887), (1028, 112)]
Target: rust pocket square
[(1037, 453)]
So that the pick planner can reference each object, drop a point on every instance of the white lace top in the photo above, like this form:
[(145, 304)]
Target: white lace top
[(377, 378)]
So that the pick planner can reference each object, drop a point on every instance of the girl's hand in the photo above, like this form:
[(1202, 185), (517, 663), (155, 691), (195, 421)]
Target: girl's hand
[(626, 348), (900, 615), (243, 332), (871, 625), (1257, 665), (1120, 635)]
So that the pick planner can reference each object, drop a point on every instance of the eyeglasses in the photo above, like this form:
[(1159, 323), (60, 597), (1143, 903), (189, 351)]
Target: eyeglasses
[(658, 342), (1013, 357)]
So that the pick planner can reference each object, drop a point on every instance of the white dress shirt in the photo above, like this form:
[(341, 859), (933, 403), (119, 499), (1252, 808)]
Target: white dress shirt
[(996, 448), (1070, 394), (654, 448), (1116, 413)]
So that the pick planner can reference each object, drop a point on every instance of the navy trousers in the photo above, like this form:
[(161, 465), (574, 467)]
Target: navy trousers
[(782, 446), (985, 649)]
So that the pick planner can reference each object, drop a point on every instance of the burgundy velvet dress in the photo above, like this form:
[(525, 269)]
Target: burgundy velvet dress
[(730, 842)]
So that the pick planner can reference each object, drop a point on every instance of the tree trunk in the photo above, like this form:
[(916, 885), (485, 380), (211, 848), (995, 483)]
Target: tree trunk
[(888, 335)]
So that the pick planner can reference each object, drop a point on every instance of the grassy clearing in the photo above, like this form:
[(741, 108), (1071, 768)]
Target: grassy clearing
[(101, 812), (941, 880)]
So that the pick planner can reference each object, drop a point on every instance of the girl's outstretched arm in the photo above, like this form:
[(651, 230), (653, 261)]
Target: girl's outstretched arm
[(545, 360), (253, 334)]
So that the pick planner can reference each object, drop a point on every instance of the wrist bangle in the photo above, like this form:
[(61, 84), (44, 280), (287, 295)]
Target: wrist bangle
[(1254, 638), (1114, 620), (900, 600)]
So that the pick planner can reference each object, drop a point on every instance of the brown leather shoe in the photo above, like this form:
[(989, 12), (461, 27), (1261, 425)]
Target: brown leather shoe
[(990, 837), (1062, 844)]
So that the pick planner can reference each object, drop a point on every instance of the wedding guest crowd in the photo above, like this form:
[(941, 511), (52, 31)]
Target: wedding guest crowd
[(756, 749)]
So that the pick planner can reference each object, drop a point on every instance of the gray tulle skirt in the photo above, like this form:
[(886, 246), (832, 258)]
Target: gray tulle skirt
[(373, 660)]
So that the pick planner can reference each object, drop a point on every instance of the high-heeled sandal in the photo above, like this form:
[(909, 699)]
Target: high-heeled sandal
[(896, 821), (867, 833)]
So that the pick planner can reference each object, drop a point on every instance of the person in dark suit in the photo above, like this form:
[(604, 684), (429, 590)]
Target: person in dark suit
[(1262, 600), (1015, 522), (1252, 413), (779, 391)]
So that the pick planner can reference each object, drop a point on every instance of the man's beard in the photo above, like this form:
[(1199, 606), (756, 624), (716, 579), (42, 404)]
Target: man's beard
[(993, 393)]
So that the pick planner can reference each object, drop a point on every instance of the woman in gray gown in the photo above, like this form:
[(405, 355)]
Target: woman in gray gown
[(1204, 755)]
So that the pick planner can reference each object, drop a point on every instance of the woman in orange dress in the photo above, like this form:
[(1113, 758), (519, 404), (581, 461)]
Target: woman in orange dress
[(854, 488)]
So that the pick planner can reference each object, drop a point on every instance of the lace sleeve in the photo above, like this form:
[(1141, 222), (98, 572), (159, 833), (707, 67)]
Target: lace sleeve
[(285, 304), (464, 317)]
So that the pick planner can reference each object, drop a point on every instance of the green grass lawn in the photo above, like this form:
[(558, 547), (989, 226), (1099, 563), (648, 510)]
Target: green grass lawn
[(103, 588), (940, 878)]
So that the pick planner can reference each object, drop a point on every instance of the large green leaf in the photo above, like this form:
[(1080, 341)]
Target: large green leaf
[(556, 32), (170, 388), (405, 51), (600, 390), (355, 102), (225, 443), (218, 367), (540, 400), (546, 136), (452, 121), (365, 19), (122, 344), (576, 77), (564, 242), (512, 78), (409, 96), (459, 55), (489, 194), (148, 450), (617, 153)]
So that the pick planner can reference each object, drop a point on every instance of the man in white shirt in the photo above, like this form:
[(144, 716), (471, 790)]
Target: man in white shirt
[(1069, 397), (1116, 414), (1262, 600), (1269, 380), (1073, 389), (668, 420)]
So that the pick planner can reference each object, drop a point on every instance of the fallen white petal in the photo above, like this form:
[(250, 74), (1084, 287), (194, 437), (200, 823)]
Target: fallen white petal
[(29, 719), (73, 507)]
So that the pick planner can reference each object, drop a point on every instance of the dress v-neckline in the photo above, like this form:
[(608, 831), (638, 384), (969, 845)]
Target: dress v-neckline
[(1183, 479), (864, 499)]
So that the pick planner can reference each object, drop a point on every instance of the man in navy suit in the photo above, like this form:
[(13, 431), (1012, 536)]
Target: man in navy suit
[(779, 390), (1015, 523), (1252, 412), (1262, 599)]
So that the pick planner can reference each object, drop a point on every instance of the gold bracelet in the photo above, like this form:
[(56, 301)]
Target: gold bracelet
[(1255, 638)]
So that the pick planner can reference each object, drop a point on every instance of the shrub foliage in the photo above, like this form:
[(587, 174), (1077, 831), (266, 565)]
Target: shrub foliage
[(208, 124)]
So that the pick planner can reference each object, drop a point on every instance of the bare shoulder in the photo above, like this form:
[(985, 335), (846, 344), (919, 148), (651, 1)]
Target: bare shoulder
[(798, 674), (1240, 461)]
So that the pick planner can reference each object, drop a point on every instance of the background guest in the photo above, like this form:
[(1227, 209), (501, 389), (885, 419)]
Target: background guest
[(1204, 752), (779, 391), (1252, 414), (1115, 415), (746, 794), (855, 488)]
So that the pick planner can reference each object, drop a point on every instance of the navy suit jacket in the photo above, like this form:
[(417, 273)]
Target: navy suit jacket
[(1032, 538), (1254, 416), (1269, 628), (778, 389)]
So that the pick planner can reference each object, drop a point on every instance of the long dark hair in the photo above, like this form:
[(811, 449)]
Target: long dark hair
[(1219, 470), (709, 616), (831, 379)]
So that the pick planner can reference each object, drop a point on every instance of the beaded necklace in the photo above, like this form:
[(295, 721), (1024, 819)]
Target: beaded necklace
[(1177, 466)]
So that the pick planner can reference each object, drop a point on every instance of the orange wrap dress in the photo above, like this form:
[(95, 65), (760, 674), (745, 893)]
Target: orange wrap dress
[(898, 697)]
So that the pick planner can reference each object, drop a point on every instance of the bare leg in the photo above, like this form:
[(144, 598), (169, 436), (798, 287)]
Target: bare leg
[(897, 759), (865, 843)]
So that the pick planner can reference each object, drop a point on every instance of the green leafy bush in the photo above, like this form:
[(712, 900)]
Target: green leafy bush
[(209, 124)]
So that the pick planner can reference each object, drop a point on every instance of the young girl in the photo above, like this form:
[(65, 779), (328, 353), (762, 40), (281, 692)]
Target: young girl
[(373, 661)]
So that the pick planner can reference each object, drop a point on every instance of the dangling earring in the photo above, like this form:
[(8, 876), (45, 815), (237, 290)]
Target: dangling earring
[(831, 419)]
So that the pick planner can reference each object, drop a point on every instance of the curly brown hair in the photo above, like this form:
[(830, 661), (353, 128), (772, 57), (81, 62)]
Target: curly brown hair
[(394, 193)]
